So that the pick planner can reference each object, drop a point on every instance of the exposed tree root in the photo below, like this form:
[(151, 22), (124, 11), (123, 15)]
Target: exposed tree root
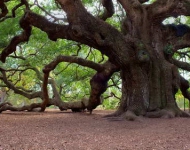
[(115, 114), (131, 116), (119, 116), (167, 113)]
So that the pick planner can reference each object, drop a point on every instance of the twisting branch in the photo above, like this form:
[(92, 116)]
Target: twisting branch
[(176, 37), (109, 9), (3, 8), (99, 84), (143, 1), (23, 2), (93, 32), (112, 95), (184, 86), (131, 7), (23, 37), (16, 90), (86, 30), (180, 43), (45, 92), (162, 9), (56, 97), (7, 106), (72, 59), (52, 65), (182, 65), (48, 13)]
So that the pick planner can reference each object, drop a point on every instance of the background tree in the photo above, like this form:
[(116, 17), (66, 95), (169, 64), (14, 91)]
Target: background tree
[(142, 49)]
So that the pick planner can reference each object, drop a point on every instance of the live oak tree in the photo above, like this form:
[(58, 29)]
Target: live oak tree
[(141, 50)]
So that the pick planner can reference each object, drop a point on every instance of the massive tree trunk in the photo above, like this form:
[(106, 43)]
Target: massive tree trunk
[(142, 51)]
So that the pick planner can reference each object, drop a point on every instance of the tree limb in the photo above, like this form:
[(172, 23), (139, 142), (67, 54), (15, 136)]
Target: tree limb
[(92, 30), (182, 65), (72, 59), (3, 8), (109, 9), (23, 37), (131, 7), (162, 9), (184, 86), (16, 90), (180, 43)]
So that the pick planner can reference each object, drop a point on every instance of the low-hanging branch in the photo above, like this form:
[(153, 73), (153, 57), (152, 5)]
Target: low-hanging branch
[(52, 65), (98, 82), (8, 106), (88, 30), (16, 90)]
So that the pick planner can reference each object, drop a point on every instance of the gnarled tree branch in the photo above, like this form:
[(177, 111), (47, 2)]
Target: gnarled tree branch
[(72, 59), (182, 65), (16, 90), (109, 9), (163, 9), (3, 8), (23, 37)]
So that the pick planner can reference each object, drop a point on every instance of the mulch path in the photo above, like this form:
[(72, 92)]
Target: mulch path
[(55, 130)]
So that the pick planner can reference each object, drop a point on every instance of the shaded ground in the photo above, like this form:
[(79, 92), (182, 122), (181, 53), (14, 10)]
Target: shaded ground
[(55, 130)]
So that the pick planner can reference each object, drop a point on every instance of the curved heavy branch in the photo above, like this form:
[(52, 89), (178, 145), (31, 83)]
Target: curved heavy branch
[(52, 65), (182, 65), (184, 86), (53, 30), (180, 43), (75, 106), (45, 92), (7, 106), (94, 32), (162, 9), (131, 7), (23, 37), (99, 84), (16, 90), (176, 36), (3, 8), (23, 2), (56, 97), (109, 9), (83, 27), (72, 59)]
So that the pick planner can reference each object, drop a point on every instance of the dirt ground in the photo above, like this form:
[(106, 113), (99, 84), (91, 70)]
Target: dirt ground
[(55, 130)]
